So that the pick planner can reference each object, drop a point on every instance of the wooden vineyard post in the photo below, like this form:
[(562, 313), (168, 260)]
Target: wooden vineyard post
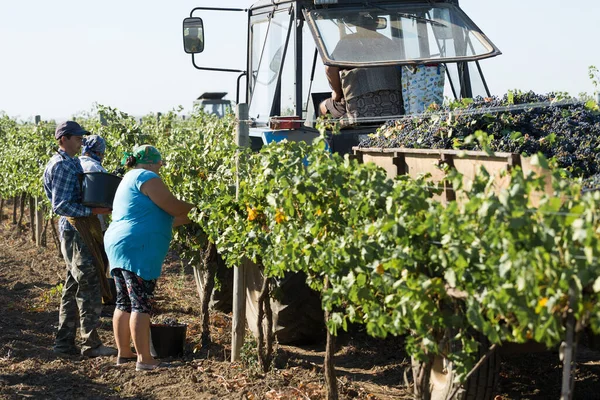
[(400, 163), (22, 202), (449, 194), (15, 207), (32, 217), (39, 222), (238, 327)]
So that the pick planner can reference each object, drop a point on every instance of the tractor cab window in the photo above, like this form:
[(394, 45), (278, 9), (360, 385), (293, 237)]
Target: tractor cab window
[(218, 109), (269, 34), (401, 34)]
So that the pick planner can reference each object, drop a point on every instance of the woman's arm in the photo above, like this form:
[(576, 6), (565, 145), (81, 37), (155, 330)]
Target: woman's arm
[(162, 197), (181, 220)]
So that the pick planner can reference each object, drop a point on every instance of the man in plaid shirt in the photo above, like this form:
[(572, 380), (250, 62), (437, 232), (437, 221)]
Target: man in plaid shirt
[(81, 296)]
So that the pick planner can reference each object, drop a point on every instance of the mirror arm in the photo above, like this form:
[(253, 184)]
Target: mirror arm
[(237, 93), (216, 9), (214, 69)]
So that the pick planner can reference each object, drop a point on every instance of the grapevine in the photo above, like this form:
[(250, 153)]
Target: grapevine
[(388, 251)]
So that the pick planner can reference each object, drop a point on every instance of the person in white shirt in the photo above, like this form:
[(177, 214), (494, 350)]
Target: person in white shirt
[(92, 151)]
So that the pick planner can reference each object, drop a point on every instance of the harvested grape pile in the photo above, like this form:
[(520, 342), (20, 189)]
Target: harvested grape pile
[(567, 131)]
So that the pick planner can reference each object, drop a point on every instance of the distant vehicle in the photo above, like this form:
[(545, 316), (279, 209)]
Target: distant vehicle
[(213, 103)]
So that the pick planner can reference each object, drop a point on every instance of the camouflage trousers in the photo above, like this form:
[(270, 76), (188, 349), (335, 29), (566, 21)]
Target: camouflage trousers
[(81, 296)]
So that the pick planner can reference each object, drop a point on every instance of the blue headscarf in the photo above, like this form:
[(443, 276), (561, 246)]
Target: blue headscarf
[(93, 145)]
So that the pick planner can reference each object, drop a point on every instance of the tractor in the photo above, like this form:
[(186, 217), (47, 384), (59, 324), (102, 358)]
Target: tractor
[(390, 57), (291, 43), (214, 103)]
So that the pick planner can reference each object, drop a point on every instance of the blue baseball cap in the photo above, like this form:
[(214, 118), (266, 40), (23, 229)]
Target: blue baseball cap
[(69, 128)]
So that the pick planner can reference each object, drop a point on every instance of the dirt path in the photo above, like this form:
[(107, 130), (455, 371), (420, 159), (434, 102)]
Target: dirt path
[(29, 278), (367, 368)]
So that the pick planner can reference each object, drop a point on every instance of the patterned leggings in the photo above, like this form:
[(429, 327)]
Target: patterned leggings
[(133, 293)]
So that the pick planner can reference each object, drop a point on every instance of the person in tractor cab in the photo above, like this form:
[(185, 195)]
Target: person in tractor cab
[(82, 293), (192, 42), (366, 41)]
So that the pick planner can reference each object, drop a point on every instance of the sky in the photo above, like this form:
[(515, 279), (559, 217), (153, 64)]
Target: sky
[(60, 57)]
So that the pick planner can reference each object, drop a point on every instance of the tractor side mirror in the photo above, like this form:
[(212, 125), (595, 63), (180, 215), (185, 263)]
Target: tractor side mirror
[(193, 35)]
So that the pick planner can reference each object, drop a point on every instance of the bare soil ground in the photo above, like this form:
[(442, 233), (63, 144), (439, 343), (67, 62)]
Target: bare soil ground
[(366, 368)]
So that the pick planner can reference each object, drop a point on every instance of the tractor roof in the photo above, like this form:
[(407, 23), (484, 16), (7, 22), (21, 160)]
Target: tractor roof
[(264, 3), (212, 95)]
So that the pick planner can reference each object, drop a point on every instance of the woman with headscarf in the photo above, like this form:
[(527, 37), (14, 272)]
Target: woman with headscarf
[(137, 241)]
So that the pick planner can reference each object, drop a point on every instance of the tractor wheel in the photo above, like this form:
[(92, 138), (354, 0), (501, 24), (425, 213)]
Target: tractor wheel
[(438, 383), (221, 298), (297, 313)]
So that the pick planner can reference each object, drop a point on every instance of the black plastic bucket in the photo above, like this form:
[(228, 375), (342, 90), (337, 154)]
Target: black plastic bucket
[(168, 340), (99, 189)]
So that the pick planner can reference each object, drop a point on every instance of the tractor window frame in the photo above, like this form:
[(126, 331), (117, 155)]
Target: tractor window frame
[(431, 33), (265, 69)]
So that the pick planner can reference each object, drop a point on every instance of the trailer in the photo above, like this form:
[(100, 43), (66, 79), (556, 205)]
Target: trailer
[(384, 53), (418, 162), (437, 380)]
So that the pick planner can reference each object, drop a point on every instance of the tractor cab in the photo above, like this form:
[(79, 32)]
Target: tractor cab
[(213, 103), (388, 58)]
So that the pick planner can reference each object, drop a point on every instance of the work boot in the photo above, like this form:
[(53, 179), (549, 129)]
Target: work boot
[(65, 350), (100, 351)]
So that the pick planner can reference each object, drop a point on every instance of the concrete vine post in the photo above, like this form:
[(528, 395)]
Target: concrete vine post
[(242, 139), (568, 349), (329, 363)]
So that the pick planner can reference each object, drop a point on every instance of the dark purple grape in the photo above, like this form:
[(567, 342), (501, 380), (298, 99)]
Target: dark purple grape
[(568, 133)]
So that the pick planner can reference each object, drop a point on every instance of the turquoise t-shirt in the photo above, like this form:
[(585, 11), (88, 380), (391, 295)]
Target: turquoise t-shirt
[(139, 235)]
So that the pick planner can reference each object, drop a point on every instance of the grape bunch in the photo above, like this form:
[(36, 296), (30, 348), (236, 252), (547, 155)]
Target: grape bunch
[(591, 183), (568, 132)]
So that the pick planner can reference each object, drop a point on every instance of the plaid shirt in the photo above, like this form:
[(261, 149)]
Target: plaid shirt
[(61, 184)]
